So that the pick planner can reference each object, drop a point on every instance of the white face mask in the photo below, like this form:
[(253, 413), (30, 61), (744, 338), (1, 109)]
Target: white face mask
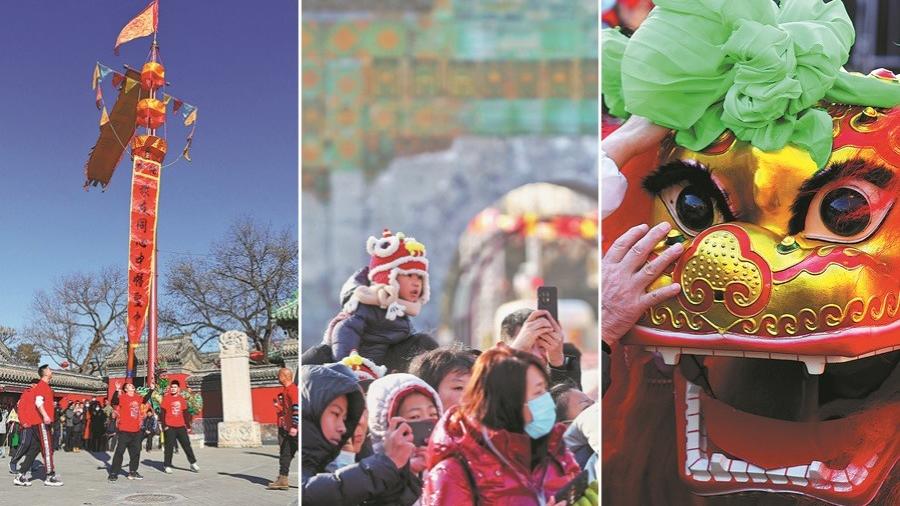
[(345, 458)]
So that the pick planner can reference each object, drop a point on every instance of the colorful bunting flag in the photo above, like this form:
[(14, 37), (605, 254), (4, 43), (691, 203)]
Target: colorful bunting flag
[(190, 114), (104, 71), (99, 98), (166, 98), (117, 80), (186, 152), (129, 83), (104, 117), (96, 77), (178, 104)]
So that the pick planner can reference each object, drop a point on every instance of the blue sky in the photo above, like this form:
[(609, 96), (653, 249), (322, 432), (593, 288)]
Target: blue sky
[(236, 61)]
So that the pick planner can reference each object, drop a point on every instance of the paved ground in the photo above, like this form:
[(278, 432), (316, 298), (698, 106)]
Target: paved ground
[(227, 476)]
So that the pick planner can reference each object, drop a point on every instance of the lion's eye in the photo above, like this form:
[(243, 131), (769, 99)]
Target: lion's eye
[(693, 207), (847, 213)]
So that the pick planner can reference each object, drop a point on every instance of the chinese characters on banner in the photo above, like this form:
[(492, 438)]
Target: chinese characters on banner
[(141, 251)]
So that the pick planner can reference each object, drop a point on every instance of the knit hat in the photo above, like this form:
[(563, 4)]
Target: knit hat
[(391, 256)]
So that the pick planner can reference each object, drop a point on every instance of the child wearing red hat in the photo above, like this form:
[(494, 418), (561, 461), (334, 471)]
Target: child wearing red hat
[(376, 317)]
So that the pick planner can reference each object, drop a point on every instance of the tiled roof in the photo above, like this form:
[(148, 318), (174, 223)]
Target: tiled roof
[(288, 311), (170, 349), (62, 380)]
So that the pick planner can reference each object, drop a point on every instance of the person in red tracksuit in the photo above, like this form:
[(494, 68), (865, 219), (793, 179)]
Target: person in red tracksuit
[(174, 407), (128, 410), (37, 415), (287, 428)]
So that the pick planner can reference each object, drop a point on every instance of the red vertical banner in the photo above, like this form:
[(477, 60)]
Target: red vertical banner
[(141, 251)]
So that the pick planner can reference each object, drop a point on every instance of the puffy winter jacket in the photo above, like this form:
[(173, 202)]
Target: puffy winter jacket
[(350, 485), (368, 331), (461, 465), (381, 398)]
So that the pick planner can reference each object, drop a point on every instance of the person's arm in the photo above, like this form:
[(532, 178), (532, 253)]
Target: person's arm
[(39, 402), (115, 398), (353, 484), (295, 413)]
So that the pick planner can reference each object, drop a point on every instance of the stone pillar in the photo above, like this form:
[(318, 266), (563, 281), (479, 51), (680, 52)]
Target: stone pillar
[(237, 430)]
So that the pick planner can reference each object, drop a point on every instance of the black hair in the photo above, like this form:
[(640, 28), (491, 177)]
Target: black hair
[(512, 323), (41, 370), (560, 396), (175, 382), (399, 356), (433, 366)]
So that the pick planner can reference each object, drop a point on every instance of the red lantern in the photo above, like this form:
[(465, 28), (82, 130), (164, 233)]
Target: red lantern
[(256, 356), (153, 76), (65, 364), (151, 113), (149, 147)]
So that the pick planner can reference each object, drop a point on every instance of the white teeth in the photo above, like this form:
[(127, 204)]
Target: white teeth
[(857, 474), (839, 477), (692, 456), (871, 463), (693, 440), (778, 476), (670, 356), (784, 356), (818, 473), (693, 423), (739, 471), (757, 474), (693, 406), (700, 470), (693, 391), (718, 466), (797, 475), (703, 467), (814, 365)]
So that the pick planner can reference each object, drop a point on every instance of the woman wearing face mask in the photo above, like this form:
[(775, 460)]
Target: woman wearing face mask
[(501, 445)]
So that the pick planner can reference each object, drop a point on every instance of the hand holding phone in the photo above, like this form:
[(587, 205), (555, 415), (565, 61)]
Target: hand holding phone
[(422, 430), (548, 301)]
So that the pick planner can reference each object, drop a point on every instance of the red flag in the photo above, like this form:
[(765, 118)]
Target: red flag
[(142, 25)]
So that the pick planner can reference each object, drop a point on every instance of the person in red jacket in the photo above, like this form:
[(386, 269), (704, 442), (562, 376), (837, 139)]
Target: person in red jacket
[(26, 399), (289, 420), (128, 411), (174, 407), (37, 415), (501, 444)]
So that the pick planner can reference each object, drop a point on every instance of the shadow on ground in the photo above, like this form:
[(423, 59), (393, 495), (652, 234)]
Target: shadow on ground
[(252, 479), (262, 454)]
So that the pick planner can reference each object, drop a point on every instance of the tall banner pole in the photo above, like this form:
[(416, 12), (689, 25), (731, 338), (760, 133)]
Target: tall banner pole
[(148, 152)]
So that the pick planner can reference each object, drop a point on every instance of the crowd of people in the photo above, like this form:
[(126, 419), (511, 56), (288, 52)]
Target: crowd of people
[(37, 425), (389, 417)]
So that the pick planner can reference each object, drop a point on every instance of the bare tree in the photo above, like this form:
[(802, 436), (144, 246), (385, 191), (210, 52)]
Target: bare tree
[(246, 275), (80, 318), (8, 336)]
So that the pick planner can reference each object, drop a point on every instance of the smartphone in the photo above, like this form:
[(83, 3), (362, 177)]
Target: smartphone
[(547, 300), (574, 490), (421, 431)]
